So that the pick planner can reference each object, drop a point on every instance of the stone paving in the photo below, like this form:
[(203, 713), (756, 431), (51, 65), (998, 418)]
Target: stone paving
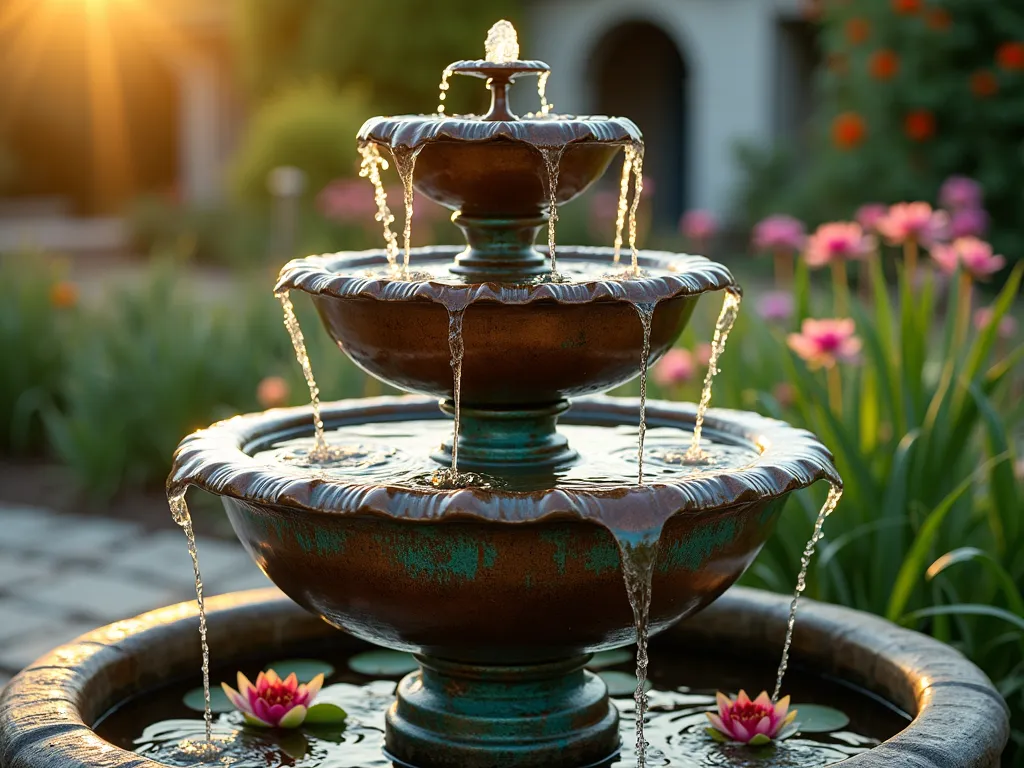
[(63, 575)]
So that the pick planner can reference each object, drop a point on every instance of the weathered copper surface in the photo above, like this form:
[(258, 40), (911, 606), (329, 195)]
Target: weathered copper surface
[(526, 344), (45, 712), (496, 576)]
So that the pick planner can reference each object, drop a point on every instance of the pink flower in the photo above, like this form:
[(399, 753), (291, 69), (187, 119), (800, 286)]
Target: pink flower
[(273, 702), (272, 392), (779, 233), (974, 255), (823, 343), (840, 240), (675, 368), (960, 193), (775, 306), (914, 222), (349, 201), (968, 222), (754, 722), (784, 394), (1007, 325), (869, 215), (698, 225)]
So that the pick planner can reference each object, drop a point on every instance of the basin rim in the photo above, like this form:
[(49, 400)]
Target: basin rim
[(46, 710), (215, 460), (321, 276)]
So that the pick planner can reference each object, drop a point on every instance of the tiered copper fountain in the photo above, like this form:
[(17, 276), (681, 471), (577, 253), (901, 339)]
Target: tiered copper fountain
[(503, 577)]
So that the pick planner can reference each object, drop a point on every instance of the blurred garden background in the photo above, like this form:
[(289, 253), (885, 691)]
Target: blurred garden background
[(160, 159)]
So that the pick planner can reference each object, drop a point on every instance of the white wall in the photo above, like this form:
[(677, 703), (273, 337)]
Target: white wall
[(728, 47)]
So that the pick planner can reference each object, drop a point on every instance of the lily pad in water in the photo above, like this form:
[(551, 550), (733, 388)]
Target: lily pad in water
[(218, 700), (304, 669), (815, 718), (387, 663)]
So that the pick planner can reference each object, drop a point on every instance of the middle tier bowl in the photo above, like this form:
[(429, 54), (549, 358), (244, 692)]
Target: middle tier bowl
[(529, 344)]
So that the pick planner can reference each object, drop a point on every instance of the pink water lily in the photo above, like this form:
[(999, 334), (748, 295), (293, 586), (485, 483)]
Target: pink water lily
[(914, 222), (823, 343), (749, 722), (273, 702), (838, 241), (974, 255)]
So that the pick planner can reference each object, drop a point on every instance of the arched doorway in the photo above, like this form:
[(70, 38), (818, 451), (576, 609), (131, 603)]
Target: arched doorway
[(639, 73)]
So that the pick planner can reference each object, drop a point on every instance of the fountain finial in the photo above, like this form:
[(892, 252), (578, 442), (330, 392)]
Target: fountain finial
[(502, 44)]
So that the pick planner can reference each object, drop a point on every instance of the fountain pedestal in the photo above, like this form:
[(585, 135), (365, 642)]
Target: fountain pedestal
[(455, 715)]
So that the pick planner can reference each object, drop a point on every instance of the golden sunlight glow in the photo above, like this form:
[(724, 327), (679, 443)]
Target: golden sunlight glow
[(84, 49)]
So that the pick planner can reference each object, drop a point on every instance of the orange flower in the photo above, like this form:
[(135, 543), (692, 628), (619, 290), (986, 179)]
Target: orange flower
[(906, 7), (919, 125), (63, 295), (1011, 56), (884, 64), (858, 29), (939, 19), (272, 392), (984, 84), (849, 130)]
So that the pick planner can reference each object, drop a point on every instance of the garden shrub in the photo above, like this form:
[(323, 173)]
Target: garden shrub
[(39, 324), (910, 92), (311, 127)]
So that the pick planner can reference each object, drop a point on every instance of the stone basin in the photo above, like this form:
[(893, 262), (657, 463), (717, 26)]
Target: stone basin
[(48, 711)]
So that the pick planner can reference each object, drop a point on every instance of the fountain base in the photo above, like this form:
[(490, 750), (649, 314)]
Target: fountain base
[(455, 715), (510, 440)]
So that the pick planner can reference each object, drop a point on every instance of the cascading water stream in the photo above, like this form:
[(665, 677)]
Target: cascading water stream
[(726, 319), (369, 168), (638, 189), (638, 554), (835, 493), (552, 159), (180, 514), (405, 164), (542, 93), (623, 203), (646, 312)]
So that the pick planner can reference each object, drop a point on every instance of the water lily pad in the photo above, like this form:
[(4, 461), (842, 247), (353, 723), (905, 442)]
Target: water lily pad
[(604, 659), (815, 718), (218, 700), (325, 713), (621, 683), (387, 663), (304, 669)]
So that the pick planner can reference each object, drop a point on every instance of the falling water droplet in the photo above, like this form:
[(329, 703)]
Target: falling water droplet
[(646, 312), (443, 89), (370, 168), (835, 493), (620, 214), (726, 320)]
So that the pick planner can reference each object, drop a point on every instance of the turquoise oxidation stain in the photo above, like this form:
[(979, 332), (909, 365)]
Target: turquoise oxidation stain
[(603, 557), (559, 539), (696, 548), (441, 556)]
